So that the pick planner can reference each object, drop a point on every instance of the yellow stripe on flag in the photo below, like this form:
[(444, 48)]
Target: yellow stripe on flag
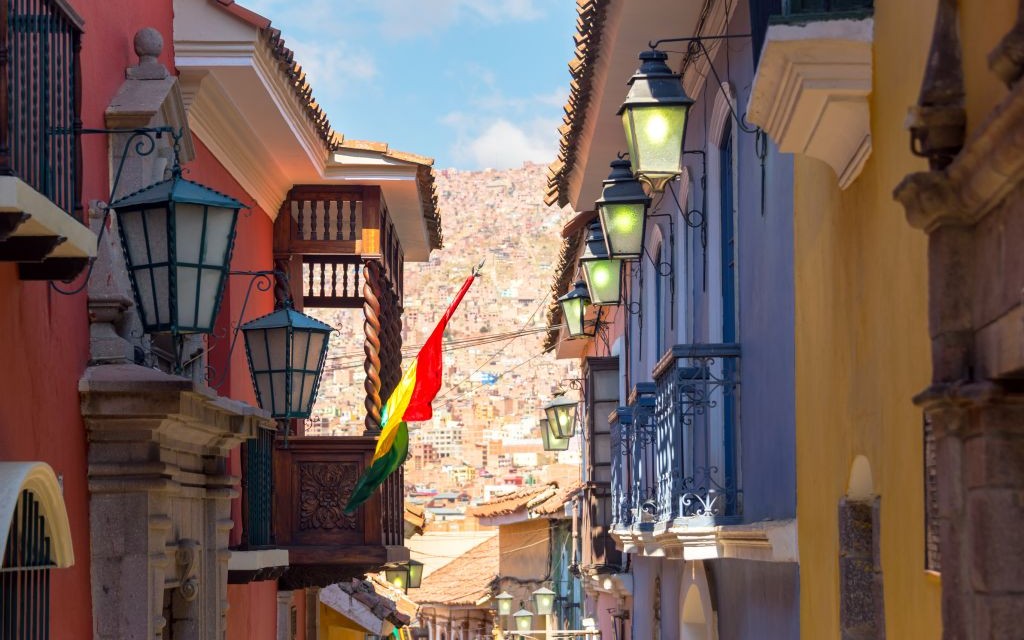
[(394, 409)]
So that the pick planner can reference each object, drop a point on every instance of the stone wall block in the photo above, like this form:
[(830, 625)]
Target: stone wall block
[(995, 614), (996, 552), (855, 531), (995, 459)]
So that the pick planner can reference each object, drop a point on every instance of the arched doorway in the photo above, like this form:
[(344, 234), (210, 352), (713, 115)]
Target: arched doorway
[(697, 617)]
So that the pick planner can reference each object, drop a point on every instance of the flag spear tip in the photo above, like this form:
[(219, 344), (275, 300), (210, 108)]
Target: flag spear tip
[(478, 268)]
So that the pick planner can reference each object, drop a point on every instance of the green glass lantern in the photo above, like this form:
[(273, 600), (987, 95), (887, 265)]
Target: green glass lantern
[(398, 576), (602, 274), (622, 210), (177, 237), (524, 620), (551, 441), (415, 573), (504, 600), (544, 601), (574, 311), (654, 117), (286, 351), (562, 415)]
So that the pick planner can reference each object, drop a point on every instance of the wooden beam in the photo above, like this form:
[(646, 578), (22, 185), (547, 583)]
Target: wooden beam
[(52, 269), (28, 248)]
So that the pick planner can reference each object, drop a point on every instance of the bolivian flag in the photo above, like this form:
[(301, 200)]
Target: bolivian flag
[(409, 402)]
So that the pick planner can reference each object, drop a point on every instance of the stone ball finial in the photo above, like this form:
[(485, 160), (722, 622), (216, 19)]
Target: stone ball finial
[(148, 43)]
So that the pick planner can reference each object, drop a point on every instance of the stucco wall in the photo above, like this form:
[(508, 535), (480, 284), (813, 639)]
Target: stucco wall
[(767, 597), (524, 549), (862, 347)]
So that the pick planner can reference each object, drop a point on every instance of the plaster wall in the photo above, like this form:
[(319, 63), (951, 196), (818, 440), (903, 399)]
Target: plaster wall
[(253, 611), (861, 347), (524, 550), (757, 596)]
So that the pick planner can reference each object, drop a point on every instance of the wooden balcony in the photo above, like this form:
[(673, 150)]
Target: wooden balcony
[(326, 234), (313, 478)]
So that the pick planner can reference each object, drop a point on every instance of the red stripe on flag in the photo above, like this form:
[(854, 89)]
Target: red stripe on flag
[(429, 367)]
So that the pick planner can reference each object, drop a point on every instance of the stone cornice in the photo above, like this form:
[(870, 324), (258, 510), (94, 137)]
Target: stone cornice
[(768, 541)]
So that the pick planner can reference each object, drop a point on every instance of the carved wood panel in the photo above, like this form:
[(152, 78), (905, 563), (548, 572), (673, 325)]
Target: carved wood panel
[(324, 488)]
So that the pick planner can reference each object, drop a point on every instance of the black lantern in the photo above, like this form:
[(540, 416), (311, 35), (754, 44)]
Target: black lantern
[(177, 237), (603, 274), (574, 310), (622, 210), (551, 441), (562, 416), (286, 351), (654, 117), (398, 576)]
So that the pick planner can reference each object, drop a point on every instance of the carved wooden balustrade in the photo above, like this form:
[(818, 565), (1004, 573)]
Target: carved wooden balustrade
[(313, 478)]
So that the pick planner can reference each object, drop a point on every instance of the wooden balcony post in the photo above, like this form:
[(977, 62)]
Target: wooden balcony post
[(372, 291)]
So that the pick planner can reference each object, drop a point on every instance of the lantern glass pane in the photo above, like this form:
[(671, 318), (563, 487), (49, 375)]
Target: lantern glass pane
[(550, 440), (573, 310), (202, 247), (145, 242), (623, 226), (415, 574), (306, 349), (655, 135), (562, 419), (267, 353), (604, 280)]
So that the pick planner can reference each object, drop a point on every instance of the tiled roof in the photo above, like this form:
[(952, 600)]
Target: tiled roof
[(367, 594), (572, 238), (590, 18), (464, 580), (522, 498), (332, 140), (555, 504)]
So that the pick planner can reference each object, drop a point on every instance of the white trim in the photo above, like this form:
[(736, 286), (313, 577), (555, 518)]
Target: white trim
[(37, 477), (45, 219), (257, 559), (768, 541)]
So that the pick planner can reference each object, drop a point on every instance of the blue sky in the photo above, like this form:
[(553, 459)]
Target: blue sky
[(471, 83)]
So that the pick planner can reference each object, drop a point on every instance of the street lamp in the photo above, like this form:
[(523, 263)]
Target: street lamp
[(602, 274), (551, 441), (544, 601), (286, 352), (654, 117), (523, 619), (504, 600), (177, 237), (622, 210), (562, 416), (574, 310)]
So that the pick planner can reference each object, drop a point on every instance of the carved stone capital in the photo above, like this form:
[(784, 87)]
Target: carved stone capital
[(930, 200)]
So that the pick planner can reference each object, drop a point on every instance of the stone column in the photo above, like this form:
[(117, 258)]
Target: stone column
[(284, 615)]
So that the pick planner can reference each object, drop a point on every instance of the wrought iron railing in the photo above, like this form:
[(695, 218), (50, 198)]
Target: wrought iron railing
[(25, 573), (824, 9), (258, 489), (696, 420), (40, 97), (621, 444)]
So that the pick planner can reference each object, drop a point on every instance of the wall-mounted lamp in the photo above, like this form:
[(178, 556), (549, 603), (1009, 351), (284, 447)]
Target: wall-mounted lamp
[(622, 210), (602, 274), (544, 601), (504, 600), (550, 440), (562, 414), (574, 311), (654, 117)]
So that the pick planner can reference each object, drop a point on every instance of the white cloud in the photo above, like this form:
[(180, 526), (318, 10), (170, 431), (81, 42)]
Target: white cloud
[(418, 18), (502, 144)]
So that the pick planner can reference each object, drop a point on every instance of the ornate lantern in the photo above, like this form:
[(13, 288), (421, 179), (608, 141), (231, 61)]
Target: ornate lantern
[(622, 209), (544, 601), (574, 310), (524, 620), (654, 117), (177, 237), (603, 274), (286, 351), (562, 416)]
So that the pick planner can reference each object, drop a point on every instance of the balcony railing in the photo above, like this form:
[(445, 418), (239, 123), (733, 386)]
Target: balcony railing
[(803, 10), (257, 490), (676, 453), (40, 96), (313, 478)]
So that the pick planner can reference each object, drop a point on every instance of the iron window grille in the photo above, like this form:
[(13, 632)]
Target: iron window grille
[(25, 574)]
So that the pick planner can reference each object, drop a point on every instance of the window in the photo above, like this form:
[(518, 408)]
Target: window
[(25, 574)]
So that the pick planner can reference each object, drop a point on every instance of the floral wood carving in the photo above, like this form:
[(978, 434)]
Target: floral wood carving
[(323, 489)]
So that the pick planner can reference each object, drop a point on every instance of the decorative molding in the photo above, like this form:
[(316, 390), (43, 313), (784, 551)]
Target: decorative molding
[(322, 488), (811, 92), (39, 479), (774, 541), (187, 559), (721, 113)]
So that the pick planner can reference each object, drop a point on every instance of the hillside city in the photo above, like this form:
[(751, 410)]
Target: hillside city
[(484, 437)]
